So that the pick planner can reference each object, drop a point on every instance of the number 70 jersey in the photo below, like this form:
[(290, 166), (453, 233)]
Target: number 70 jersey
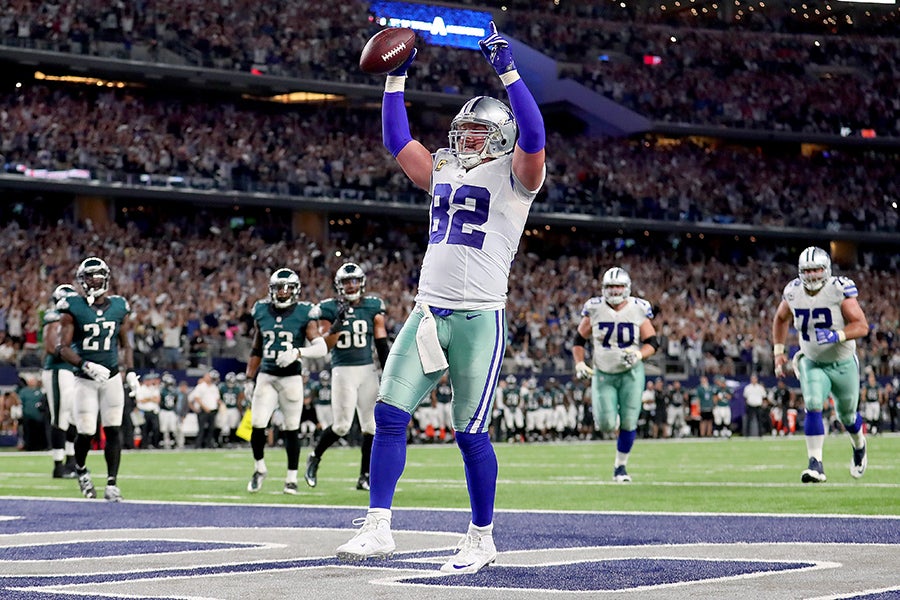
[(477, 219), (613, 331), (822, 311)]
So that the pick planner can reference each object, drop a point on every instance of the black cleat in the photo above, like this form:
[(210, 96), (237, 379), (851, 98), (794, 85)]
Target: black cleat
[(312, 469)]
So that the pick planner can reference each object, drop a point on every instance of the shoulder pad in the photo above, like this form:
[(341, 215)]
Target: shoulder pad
[(315, 312), (645, 307), (847, 287)]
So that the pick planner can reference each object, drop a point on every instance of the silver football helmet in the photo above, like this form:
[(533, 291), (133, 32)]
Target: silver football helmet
[(616, 286), (814, 267), (350, 281), (93, 276), (284, 288), (324, 377), (63, 291), (473, 146)]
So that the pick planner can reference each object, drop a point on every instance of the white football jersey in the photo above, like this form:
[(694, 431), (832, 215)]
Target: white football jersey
[(821, 311), (613, 331), (477, 218)]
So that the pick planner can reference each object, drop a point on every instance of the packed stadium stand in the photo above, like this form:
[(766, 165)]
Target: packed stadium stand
[(158, 135)]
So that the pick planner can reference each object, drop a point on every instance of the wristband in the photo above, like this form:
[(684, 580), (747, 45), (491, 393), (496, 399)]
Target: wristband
[(394, 83), (842, 336), (778, 349), (510, 77)]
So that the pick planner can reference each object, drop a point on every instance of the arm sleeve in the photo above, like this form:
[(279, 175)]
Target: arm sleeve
[(394, 122), (528, 117), (317, 349)]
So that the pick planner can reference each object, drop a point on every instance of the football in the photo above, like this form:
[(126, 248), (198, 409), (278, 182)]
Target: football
[(387, 50)]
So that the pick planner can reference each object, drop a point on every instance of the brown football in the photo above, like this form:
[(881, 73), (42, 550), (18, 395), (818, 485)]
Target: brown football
[(387, 50)]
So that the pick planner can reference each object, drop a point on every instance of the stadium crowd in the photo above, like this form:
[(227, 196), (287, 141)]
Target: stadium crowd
[(140, 138), (191, 281), (733, 77)]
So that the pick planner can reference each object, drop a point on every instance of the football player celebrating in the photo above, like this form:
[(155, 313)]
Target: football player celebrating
[(92, 329), (481, 190), (282, 323), (622, 337), (58, 379), (828, 319), (351, 323)]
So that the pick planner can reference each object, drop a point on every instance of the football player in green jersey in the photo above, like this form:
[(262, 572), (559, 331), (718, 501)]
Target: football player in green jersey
[(93, 328), (58, 379), (282, 322), (351, 323)]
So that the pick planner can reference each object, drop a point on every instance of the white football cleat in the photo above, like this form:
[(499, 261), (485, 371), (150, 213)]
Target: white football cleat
[(475, 551), (373, 540)]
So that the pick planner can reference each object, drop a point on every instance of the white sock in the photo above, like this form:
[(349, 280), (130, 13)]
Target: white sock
[(291, 477), (261, 466), (621, 459), (814, 444), (485, 530), (381, 513)]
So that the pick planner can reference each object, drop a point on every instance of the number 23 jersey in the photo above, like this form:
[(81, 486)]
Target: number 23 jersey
[(282, 329), (613, 331), (477, 217), (821, 311)]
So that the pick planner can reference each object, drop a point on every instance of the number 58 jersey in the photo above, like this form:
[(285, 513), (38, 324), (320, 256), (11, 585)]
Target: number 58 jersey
[(822, 311), (477, 217), (613, 331)]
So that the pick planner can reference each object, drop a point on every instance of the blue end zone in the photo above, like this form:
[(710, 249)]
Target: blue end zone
[(607, 575), (567, 552)]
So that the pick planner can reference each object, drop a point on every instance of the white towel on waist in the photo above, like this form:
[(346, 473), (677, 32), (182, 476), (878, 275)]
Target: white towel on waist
[(430, 352)]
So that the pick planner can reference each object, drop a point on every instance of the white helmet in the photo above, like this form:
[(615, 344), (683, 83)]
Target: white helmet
[(814, 267), (616, 278), (350, 272), (324, 377), (284, 288), (499, 140), (93, 276)]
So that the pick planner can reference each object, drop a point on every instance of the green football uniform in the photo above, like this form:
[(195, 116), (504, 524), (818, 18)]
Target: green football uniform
[(357, 332), (96, 333), (51, 361), (281, 329)]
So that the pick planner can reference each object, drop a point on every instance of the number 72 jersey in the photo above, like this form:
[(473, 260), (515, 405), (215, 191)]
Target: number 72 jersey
[(96, 333), (822, 311)]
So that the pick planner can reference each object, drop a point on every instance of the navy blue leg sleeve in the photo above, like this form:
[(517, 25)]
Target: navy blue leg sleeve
[(481, 474), (388, 454)]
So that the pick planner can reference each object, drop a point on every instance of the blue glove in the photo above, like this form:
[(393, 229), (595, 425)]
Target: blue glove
[(496, 50), (401, 70), (827, 336)]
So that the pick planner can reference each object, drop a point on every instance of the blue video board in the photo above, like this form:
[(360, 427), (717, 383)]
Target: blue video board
[(438, 25)]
